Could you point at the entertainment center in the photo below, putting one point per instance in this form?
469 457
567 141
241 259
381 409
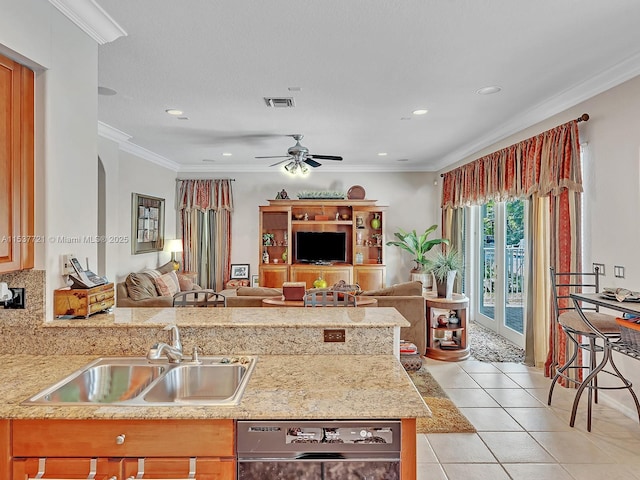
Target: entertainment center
302 240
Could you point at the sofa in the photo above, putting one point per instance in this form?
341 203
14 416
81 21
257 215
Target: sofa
152 287
405 297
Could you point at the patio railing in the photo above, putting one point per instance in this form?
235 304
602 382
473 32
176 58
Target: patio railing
514 280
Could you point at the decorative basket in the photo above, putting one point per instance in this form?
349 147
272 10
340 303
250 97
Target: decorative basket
629 332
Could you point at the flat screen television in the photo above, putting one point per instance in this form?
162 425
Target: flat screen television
321 247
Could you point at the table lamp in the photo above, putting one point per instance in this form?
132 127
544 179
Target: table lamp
174 246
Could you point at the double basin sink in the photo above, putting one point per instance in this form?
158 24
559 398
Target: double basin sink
135 381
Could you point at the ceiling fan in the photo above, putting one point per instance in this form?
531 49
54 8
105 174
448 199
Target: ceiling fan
299 155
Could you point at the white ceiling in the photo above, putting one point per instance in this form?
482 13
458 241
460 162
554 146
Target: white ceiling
362 66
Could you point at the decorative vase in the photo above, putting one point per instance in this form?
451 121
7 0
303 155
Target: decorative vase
445 287
284 256
359 221
424 277
375 221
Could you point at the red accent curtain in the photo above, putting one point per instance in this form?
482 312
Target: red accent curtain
545 165
205 208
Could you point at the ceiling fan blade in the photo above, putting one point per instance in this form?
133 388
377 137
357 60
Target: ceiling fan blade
326 157
281 161
311 162
276 156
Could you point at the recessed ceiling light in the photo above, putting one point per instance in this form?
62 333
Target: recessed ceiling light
405 118
106 91
208 160
295 89
403 159
422 111
183 118
227 154
488 90
382 154
173 111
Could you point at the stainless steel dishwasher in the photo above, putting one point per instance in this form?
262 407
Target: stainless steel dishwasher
318 450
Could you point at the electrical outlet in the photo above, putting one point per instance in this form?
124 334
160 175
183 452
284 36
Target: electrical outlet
67 268
334 335
18 300
600 268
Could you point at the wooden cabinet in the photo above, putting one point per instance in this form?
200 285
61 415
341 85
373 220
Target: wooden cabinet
82 302
448 341
123 449
369 277
273 275
16 166
361 222
331 274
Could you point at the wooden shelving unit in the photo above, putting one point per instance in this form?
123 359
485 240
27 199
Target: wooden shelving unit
437 346
280 221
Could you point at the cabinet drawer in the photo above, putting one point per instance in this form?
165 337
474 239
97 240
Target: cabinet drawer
142 438
99 297
98 307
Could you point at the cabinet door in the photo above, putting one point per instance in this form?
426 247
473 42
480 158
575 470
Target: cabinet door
369 277
331 275
273 276
16 165
67 468
178 468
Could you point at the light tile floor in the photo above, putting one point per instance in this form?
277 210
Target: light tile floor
519 437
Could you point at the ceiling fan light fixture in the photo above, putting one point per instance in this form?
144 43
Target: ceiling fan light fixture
291 167
304 169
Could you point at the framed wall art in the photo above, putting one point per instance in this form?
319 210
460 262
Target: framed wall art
240 271
147 223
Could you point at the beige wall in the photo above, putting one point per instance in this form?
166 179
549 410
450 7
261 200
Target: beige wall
611 143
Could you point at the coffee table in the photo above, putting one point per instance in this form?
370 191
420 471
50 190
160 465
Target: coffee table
280 302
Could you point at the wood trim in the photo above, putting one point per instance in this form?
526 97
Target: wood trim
27 129
408 451
5 449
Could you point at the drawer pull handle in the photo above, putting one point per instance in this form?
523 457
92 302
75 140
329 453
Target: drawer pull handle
120 439
192 471
42 464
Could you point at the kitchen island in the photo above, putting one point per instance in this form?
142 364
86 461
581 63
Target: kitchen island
281 387
300 375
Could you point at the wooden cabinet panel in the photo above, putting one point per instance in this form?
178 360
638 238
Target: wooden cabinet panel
99 438
16 165
67 468
273 276
331 274
169 468
369 277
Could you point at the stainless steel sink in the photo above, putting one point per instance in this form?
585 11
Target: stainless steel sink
137 382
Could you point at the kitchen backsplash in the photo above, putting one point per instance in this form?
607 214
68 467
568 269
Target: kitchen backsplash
33 281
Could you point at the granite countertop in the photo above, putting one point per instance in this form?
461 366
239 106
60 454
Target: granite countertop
281 387
241 317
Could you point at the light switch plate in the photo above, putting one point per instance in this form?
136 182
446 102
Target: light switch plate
618 271
600 268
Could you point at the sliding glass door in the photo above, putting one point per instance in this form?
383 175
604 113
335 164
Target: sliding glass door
500 276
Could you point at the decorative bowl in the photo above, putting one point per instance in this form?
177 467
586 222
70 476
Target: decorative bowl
344 216
299 216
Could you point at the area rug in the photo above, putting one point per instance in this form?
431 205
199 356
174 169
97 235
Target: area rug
446 416
487 346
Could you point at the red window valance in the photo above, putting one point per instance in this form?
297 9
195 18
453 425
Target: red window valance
545 164
204 195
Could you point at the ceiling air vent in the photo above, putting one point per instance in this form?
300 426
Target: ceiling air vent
279 102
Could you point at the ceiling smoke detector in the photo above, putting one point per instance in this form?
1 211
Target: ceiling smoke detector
279 102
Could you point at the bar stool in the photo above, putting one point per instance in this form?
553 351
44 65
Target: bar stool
589 330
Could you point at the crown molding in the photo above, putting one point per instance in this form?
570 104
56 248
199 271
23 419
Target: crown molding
589 88
124 144
91 18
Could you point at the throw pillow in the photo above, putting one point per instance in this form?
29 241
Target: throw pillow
152 273
400 289
258 292
167 267
168 284
186 283
140 286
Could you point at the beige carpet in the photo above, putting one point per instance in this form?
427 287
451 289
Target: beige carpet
446 416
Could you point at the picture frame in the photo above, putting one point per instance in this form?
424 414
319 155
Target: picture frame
239 271
255 282
147 223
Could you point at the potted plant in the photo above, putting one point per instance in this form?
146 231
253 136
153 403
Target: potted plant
418 246
444 267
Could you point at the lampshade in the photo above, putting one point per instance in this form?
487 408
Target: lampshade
174 245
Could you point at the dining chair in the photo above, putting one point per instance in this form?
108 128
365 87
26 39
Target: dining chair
587 330
199 298
327 298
